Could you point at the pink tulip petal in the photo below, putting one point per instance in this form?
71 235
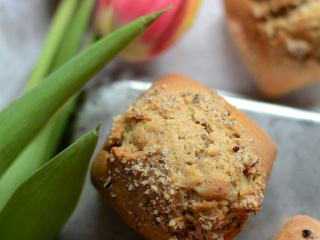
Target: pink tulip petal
166 24
164 32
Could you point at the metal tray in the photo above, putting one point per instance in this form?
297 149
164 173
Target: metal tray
293 187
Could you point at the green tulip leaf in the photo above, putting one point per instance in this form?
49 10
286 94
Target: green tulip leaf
44 146
44 202
25 117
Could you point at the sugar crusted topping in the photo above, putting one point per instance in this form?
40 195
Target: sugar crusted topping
175 154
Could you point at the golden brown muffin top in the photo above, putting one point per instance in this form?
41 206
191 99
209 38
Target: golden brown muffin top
183 164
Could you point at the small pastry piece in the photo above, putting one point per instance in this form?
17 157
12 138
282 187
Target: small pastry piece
300 227
279 41
181 163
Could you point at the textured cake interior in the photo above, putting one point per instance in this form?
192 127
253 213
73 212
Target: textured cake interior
295 22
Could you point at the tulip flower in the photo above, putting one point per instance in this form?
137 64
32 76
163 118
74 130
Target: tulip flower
112 14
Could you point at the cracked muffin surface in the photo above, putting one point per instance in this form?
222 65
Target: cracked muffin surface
279 41
296 23
181 163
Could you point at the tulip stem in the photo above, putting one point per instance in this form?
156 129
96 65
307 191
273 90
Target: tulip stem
56 32
72 39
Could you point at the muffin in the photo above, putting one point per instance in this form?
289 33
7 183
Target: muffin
182 163
300 227
279 41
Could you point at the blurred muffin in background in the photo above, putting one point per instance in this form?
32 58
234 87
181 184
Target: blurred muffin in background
279 41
